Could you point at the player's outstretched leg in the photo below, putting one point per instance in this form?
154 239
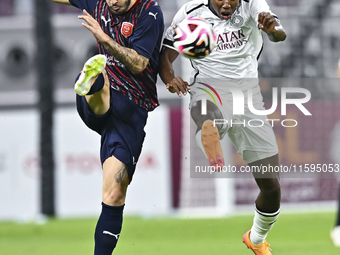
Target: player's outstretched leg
211 144
92 68
108 229
261 249
267 207
207 136
263 222
109 225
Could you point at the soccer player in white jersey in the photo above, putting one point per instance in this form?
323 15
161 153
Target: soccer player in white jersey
238 25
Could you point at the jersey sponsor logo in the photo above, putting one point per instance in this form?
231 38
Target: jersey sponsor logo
154 15
230 40
111 234
106 21
127 29
236 21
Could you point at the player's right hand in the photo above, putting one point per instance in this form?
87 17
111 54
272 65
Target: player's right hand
177 85
92 25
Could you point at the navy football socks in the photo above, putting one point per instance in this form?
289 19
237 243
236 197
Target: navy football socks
97 85
108 229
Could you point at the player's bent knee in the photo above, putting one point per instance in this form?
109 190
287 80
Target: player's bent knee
115 182
115 197
106 80
269 185
99 102
272 190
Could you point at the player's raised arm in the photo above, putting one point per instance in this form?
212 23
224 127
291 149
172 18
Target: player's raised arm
167 74
129 57
62 2
271 26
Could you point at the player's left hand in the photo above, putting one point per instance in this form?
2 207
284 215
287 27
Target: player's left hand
177 85
267 22
92 25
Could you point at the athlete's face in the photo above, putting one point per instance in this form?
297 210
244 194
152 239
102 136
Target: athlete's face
119 7
224 8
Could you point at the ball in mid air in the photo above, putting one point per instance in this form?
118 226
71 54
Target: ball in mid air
194 38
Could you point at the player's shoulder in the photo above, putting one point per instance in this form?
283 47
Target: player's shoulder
246 4
250 2
150 6
194 5
253 6
253 3
147 8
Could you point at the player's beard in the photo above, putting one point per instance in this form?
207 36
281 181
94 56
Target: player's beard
123 8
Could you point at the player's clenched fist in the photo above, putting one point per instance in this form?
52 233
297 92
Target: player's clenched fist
271 25
267 22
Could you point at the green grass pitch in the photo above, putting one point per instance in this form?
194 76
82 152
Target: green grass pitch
293 234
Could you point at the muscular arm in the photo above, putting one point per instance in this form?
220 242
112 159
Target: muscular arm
166 70
129 57
62 2
271 27
167 74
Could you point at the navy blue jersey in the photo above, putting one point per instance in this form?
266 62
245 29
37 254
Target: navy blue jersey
141 29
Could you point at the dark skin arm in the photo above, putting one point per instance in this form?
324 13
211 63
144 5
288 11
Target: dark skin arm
177 85
167 74
269 25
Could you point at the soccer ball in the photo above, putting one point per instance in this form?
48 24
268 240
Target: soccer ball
194 38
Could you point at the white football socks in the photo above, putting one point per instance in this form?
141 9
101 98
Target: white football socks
199 144
263 222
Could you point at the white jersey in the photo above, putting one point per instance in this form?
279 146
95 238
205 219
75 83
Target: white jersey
239 40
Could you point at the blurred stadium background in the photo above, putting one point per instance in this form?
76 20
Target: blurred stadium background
162 185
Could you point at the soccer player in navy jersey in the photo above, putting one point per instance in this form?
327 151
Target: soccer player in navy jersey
115 91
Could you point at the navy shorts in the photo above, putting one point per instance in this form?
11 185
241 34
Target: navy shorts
121 128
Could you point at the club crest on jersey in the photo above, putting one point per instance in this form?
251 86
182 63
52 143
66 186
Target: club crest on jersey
127 29
236 21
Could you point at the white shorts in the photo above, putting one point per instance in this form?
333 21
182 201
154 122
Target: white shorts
252 135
